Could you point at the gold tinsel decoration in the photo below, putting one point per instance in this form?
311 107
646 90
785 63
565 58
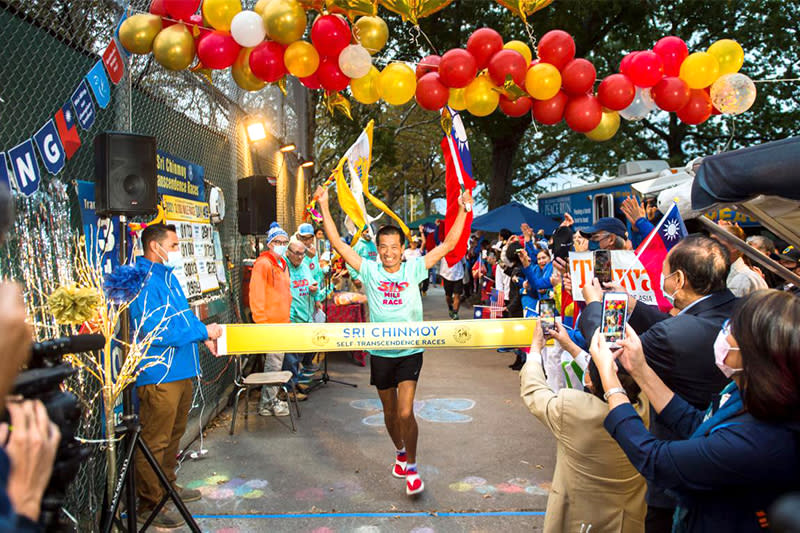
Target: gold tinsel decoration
73 305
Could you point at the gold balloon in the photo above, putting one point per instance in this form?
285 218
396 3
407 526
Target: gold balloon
607 128
522 48
301 59
365 90
285 21
523 8
261 5
397 83
457 100
137 33
481 96
372 33
543 81
413 10
353 8
699 70
242 74
173 47
729 54
316 5
220 13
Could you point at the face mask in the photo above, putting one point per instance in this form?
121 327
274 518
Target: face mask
280 249
594 245
172 260
326 269
670 297
721 349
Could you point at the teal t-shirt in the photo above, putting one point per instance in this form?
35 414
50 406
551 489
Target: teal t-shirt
394 297
300 280
367 250
316 272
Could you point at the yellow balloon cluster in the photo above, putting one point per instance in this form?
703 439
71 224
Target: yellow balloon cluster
220 13
481 96
397 83
524 8
699 70
372 33
729 54
365 90
301 59
242 74
137 33
173 47
607 128
543 81
353 8
457 99
413 10
285 21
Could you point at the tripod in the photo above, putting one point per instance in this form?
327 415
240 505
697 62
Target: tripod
131 429
325 376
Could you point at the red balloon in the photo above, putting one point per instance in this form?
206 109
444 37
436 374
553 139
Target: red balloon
557 48
218 50
330 76
457 68
646 69
330 35
181 9
428 64
266 61
578 77
625 64
550 111
483 44
616 92
697 109
583 113
431 92
312 82
672 51
671 93
508 62
518 107
157 8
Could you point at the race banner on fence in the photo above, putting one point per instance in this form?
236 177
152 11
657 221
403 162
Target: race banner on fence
625 268
337 337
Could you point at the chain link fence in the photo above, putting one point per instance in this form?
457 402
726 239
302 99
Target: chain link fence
48 46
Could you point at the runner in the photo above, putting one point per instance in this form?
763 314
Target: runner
392 288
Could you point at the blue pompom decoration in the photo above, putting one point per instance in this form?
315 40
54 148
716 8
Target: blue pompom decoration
124 283
274 225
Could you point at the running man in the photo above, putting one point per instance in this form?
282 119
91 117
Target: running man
392 288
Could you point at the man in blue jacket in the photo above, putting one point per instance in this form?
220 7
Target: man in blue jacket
165 389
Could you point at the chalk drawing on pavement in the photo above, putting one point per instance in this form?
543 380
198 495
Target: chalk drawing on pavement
480 485
444 410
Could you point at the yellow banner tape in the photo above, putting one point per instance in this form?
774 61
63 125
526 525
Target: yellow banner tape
332 337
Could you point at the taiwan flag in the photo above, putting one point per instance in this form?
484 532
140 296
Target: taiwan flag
653 250
458 177
65 123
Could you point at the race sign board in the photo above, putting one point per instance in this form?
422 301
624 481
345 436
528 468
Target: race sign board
625 268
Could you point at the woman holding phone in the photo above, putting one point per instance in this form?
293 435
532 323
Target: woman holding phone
743 452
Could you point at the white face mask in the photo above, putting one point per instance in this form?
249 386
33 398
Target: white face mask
280 249
721 349
172 260
670 297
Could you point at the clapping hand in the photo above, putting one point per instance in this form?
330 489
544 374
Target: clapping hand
633 209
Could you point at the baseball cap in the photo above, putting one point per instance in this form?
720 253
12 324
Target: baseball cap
790 253
609 224
305 229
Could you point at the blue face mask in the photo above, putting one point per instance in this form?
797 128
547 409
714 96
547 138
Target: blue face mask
593 245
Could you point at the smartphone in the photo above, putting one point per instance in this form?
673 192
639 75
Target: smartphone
615 314
547 314
602 266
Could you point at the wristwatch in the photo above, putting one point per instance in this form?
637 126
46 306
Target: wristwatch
615 390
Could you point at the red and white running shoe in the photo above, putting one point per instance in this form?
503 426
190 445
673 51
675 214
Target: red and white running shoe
414 484
399 469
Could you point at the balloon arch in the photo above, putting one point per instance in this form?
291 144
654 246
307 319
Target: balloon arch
265 45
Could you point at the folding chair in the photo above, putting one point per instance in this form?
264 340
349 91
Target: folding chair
259 379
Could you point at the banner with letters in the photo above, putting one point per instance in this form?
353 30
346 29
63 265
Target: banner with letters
625 268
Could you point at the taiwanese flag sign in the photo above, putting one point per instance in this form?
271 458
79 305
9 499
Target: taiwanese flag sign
653 250
458 177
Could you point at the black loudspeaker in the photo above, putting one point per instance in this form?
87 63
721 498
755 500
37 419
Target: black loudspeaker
258 204
125 174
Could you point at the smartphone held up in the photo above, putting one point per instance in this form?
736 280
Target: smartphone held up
547 314
615 315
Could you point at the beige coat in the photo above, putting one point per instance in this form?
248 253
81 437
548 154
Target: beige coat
594 483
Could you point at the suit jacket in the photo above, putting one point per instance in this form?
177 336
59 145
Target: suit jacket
680 349
594 482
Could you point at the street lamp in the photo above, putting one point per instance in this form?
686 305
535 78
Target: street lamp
256 129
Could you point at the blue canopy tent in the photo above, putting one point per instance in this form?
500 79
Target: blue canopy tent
512 216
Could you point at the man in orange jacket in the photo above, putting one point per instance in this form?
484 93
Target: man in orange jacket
270 301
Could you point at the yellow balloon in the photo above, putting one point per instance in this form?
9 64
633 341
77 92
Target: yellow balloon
543 81
397 83
137 33
372 33
365 90
301 59
413 10
607 128
522 48
699 70
457 99
261 5
353 8
481 97
729 55
285 21
242 74
220 13
173 47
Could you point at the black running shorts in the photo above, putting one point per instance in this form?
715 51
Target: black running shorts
453 287
387 372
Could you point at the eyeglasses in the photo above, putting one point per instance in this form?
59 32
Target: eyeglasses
295 252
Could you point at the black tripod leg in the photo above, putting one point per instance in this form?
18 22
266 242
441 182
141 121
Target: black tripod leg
162 478
116 498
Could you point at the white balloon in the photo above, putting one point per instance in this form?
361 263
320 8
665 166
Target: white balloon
355 61
640 107
733 94
247 29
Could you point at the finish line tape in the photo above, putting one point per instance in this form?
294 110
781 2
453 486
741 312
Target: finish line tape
333 337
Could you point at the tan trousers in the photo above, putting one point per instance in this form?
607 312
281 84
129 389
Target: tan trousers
163 411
